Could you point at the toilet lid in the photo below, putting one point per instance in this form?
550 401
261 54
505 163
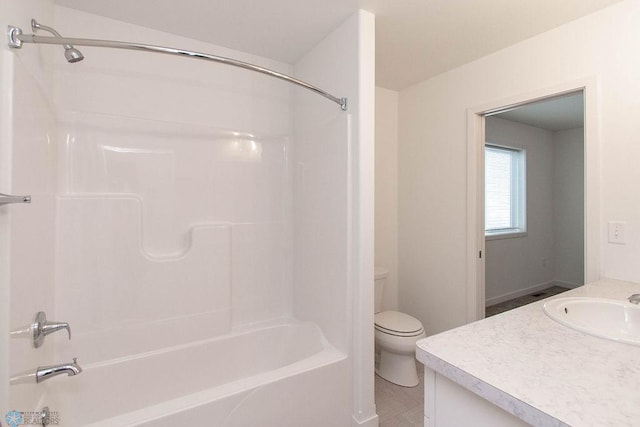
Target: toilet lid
396 323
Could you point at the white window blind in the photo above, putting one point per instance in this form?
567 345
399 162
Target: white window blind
504 190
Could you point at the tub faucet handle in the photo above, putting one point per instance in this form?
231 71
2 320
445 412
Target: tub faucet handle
41 328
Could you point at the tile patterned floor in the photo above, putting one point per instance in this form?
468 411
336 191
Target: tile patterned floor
400 406
527 299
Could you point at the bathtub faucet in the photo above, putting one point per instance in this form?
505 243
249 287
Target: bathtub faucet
46 372
634 299
41 328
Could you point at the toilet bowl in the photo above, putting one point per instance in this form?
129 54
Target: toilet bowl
396 335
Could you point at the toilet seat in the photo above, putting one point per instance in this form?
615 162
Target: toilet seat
398 324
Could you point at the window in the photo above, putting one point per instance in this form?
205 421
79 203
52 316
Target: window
505 192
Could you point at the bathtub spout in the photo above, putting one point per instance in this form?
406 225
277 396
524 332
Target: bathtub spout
46 372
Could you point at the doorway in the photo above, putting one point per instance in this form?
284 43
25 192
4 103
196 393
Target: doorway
543 268
533 201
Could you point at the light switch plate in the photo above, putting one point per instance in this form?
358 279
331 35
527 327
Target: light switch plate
617 232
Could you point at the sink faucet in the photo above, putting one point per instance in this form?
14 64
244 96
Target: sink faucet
46 372
634 299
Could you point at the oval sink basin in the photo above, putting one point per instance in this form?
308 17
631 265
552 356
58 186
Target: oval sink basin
606 318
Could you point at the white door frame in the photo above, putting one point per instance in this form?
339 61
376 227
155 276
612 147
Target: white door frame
475 185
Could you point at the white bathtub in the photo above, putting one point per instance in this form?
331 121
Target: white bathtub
278 375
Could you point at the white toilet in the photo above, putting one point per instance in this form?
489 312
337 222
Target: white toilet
395 336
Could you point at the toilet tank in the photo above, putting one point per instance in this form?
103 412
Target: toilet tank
380 277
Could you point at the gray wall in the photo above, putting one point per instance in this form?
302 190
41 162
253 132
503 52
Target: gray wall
517 263
568 206
552 251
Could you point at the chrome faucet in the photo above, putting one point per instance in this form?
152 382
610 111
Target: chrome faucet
46 372
634 299
41 328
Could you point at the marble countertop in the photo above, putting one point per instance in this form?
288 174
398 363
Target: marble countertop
540 371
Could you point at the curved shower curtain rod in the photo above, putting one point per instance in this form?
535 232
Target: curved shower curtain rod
17 37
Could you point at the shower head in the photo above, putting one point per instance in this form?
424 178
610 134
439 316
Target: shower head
70 53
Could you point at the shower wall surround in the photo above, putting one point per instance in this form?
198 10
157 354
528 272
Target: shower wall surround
334 204
27 232
174 198
177 201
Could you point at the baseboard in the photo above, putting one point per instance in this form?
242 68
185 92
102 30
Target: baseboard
520 293
369 422
564 284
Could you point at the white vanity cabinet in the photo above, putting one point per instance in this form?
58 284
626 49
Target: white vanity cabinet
447 404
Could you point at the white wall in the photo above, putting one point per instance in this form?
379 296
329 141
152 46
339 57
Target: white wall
5 181
568 206
334 211
386 223
432 153
518 263
28 151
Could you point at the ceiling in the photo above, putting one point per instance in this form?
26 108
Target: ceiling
415 39
554 114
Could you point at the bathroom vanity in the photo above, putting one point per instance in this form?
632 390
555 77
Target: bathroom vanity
523 368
